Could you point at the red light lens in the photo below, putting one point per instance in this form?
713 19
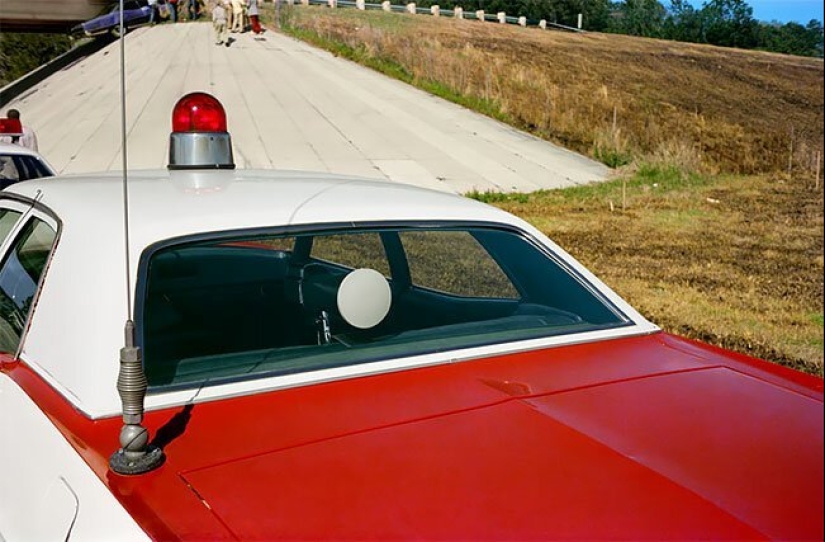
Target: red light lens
11 126
198 112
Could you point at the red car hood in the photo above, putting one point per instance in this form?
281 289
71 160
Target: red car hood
647 438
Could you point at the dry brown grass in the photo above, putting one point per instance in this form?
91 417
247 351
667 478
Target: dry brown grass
736 262
719 109
731 260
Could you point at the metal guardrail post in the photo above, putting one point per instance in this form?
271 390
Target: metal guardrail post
436 11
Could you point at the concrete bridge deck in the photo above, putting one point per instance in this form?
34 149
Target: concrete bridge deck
289 106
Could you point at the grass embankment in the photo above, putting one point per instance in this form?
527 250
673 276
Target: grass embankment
732 261
700 249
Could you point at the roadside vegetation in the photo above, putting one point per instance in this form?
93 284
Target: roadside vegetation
21 53
713 227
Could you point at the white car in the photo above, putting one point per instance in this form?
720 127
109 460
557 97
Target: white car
18 163
202 353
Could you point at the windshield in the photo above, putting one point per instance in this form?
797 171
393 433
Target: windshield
261 305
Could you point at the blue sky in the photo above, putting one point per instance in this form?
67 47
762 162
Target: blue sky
799 11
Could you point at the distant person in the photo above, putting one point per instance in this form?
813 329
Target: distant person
252 11
153 11
237 16
28 138
194 10
228 6
173 10
219 22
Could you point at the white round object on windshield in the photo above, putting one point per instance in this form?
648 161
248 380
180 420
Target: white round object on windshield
364 298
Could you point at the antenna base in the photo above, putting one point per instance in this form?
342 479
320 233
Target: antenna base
122 463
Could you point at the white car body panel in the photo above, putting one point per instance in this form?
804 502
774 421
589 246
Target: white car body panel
91 210
57 496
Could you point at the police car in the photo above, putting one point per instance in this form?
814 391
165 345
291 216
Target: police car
18 163
207 353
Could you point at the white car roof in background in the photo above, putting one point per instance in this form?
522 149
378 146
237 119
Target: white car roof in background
13 148
77 349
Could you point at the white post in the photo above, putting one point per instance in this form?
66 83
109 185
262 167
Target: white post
360 4
480 15
458 12
411 8
501 16
385 5
522 20
332 3
543 24
580 20
435 10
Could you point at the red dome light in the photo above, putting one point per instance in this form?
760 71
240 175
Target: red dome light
10 126
198 112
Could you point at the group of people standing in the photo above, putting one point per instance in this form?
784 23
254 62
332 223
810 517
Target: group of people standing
231 16
169 9
227 15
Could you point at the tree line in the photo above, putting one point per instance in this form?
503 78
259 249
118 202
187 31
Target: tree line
727 23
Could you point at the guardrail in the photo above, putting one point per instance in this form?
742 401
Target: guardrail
436 11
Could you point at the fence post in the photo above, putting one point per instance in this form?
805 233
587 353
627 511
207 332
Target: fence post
790 153
502 17
522 20
385 5
580 21
458 12
411 8
435 10
543 24
360 4
480 15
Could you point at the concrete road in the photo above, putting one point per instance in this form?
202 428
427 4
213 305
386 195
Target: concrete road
290 106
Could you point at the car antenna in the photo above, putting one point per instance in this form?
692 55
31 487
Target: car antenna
135 455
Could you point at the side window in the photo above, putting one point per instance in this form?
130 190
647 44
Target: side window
8 219
354 251
31 168
455 263
8 171
19 276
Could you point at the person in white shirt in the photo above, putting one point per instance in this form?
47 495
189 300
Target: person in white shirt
28 138
219 22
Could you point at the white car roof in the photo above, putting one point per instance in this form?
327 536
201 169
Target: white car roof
77 351
14 148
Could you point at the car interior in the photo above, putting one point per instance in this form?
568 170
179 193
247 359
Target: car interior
230 309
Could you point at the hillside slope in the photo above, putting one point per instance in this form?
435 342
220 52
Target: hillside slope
610 96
